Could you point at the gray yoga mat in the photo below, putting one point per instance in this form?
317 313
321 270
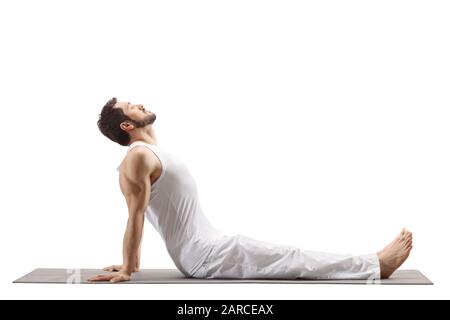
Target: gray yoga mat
400 277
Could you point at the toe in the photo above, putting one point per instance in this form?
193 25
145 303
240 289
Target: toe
405 244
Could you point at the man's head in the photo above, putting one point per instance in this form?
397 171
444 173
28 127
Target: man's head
119 121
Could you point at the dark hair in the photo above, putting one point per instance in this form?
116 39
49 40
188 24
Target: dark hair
109 123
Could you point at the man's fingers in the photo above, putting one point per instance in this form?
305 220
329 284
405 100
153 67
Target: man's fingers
119 278
112 268
101 277
112 277
95 278
115 279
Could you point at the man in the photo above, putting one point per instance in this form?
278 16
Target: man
158 186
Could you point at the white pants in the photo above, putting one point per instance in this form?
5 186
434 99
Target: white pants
238 256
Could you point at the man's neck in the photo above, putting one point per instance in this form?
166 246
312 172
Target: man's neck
146 140
148 137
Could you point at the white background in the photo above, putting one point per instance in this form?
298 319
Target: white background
322 124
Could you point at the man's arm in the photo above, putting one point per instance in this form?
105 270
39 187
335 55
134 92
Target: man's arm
135 185
138 257
137 193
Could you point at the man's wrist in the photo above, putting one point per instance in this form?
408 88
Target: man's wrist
127 270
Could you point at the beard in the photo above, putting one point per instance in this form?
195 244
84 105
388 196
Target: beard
148 120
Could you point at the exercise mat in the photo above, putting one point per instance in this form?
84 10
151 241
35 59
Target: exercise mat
45 275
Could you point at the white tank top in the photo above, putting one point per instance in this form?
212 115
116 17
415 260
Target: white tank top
175 212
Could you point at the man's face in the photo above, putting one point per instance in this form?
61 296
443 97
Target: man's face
141 117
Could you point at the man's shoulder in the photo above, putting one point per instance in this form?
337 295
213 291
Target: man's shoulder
138 153
139 158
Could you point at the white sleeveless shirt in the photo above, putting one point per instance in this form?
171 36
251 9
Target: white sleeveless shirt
175 212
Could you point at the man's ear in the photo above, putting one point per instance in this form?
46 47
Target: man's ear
126 126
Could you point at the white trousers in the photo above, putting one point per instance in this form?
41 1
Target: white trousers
238 256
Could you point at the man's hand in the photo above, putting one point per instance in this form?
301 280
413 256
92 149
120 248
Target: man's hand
118 267
112 277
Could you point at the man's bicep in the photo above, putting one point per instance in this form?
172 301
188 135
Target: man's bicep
136 193
138 200
135 182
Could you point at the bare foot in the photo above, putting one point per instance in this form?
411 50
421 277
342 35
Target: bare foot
395 253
